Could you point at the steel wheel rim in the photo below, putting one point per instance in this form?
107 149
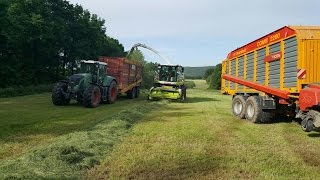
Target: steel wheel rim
237 107
250 110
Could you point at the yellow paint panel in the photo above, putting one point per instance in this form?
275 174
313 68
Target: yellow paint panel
308 58
307 32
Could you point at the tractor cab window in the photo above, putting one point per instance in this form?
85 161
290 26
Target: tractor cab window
102 69
168 73
88 68
102 72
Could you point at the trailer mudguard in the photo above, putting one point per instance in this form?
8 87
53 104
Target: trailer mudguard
309 97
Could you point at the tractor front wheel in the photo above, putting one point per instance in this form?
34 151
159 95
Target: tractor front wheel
112 92
60 94
92 96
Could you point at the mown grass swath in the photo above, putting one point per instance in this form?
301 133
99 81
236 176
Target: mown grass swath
39 140
139 139
201 139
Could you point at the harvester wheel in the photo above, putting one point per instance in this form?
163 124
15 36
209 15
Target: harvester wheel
254 111
60 94
238 106
183 95
112 92
131 93
92 96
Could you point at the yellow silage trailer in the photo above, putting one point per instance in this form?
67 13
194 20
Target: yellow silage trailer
277 73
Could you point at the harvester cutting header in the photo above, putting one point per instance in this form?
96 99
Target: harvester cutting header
168 81
277 73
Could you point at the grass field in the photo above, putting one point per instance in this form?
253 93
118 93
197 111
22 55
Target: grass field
138 139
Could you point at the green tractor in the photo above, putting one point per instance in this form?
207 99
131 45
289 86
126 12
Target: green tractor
169 83
90 86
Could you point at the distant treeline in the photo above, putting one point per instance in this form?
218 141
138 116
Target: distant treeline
196 72
41 39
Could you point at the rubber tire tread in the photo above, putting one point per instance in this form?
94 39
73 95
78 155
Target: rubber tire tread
57 97
241 99
131 93
110 100
137 92
87 96
184 94
260 115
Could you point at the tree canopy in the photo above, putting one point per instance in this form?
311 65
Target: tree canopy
214 80
41 39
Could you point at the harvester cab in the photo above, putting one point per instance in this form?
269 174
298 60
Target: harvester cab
169 83
89 86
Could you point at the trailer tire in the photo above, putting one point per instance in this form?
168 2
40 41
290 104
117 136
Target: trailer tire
59 94
238 106
131 94
137 92
254 111
91 96
112 92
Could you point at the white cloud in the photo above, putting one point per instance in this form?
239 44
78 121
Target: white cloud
186 26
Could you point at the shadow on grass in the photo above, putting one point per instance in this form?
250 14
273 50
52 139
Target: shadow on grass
314 134
200 99
121 98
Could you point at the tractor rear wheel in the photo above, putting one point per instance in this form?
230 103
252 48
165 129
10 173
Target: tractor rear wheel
254 111
238 106
60 94
92 96
112 92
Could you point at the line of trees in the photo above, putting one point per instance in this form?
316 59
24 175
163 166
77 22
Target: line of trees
41 39
213 77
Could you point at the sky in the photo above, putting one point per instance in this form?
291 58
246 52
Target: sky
197 32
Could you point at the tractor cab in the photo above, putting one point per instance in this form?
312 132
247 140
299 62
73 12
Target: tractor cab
169 73
95 69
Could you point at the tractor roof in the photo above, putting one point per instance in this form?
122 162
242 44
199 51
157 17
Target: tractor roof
93 62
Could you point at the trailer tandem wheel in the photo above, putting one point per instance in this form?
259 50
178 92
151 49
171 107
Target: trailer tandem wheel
254 111
238 106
